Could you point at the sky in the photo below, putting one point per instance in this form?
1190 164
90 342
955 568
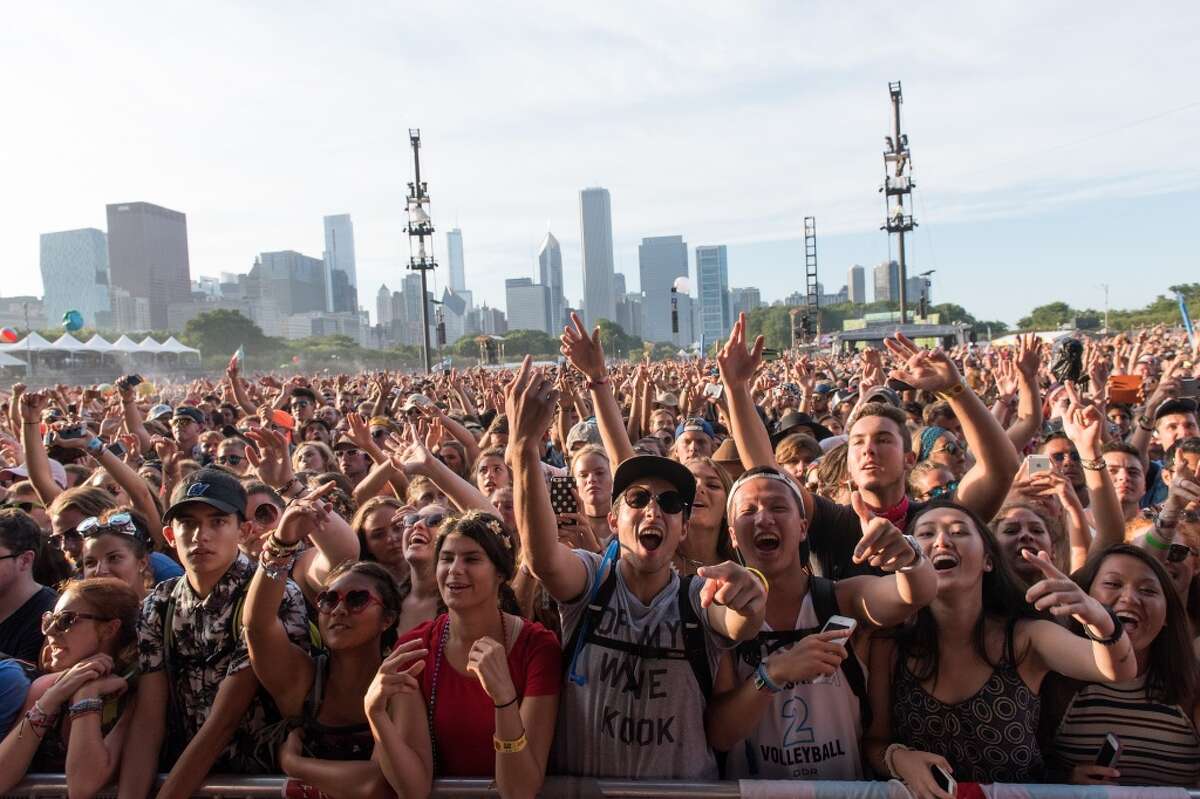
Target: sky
1056 146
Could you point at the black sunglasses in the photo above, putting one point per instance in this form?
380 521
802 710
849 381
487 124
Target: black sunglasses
670 502
1177 553
1059 457
25 505
356 601
431 521
60 539
64 620
266 513
230 460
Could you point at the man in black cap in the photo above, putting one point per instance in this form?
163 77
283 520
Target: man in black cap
643 644
799 422
1174 419
197 692
187 423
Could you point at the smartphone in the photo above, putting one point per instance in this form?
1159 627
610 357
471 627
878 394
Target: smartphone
1125 389
130 380
1037 464
943 779
74 431
1189 388
837 623
898 385
714 390
562 495
769 354
1110 752
117 448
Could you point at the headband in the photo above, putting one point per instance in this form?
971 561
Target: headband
929 437
764 473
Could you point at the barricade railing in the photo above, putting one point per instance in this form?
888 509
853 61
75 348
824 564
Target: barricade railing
220 786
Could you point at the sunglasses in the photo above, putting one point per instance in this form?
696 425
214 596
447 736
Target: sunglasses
431 521
121 523
60 539
953 448
266 513
942 491
1059 457
670 502
356 601
379 432
1177 553
230 460
64 620
25 505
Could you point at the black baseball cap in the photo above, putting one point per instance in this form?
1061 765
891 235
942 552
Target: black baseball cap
797 422
189 412
640 466
213 487
1173 406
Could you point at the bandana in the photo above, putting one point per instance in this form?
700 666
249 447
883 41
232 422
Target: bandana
897 514
929 437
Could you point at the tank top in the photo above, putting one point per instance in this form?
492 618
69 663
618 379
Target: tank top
1159 743
988 737
331 742
810 731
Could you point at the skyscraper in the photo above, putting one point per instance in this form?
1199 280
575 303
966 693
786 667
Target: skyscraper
856 285
454 257
341 291
295 281
743 301
75 276
887 282
661 259
595 225
550 275
148 256
712 289
383 307
526 304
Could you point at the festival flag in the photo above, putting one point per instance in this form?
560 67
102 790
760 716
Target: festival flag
1187 319
236 361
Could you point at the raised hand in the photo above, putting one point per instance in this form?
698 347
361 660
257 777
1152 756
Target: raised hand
882 545
1083 424
397 674
302 516
1183 491
1061 596
928 370
488 661
529 400
271 460
584 352
736 363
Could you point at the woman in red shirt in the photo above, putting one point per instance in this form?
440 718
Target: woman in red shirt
489 679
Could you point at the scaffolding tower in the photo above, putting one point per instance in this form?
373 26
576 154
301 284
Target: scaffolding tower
897 186
420 239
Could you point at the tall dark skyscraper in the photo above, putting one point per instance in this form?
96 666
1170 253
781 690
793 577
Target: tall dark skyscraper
550 275
341 273
148 256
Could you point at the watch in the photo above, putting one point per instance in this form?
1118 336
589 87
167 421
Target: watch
95 445
920 553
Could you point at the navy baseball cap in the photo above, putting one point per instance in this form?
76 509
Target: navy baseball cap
189 412
694 424
213 487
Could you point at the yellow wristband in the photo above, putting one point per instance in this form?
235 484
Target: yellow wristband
762 577
509 747
952 392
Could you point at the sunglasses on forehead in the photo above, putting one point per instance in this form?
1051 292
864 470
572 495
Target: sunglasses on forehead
356 601
25 505
119 523
670 502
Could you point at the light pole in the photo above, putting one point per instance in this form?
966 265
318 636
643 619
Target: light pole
419 229
898 184
1104 288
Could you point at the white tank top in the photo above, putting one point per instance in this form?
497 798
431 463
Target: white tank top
810 731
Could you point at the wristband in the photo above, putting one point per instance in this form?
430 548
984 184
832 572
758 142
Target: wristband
1118 630
762 679
920 553
85 706
595 384
1157 543
890 753
952 392
506 704
509 747
1096 465
1145 423
762 577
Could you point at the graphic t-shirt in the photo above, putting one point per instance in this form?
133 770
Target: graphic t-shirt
635 716
464 717
809 732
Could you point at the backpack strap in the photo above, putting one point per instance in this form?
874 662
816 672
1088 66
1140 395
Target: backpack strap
693 639
824 595
591 619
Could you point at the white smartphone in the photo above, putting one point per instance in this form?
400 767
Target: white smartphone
837 623
944 780
1037 464
1110 752
714 390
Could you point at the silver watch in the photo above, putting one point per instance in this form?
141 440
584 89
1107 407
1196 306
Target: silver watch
920 553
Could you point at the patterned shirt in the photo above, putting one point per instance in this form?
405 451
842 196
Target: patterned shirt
204 652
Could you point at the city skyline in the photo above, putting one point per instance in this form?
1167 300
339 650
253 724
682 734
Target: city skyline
1017 166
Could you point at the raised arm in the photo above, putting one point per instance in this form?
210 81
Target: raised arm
986 484
34 450
133 415
1029 402
334 543
1084 425
738 366
413 458
1143 431
529 403
587 355
239 389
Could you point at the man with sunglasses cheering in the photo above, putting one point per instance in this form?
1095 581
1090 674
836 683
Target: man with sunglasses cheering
197 693
22 599
644 644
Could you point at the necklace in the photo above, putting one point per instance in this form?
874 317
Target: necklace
437 668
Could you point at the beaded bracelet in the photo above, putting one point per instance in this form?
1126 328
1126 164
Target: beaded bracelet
275 565
889 754
83 707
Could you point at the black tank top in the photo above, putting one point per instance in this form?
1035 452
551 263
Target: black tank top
341 742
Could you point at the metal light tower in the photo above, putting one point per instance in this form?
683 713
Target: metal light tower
810 316
897 185
420 229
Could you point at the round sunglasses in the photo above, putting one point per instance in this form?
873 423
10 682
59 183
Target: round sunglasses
669 502
431 521
356 601
120 523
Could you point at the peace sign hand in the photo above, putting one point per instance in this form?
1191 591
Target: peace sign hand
929 370
1061 596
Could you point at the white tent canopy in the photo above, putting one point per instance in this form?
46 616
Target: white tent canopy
125 344
8 360
68 343
31 343
175 345
149 345
97 344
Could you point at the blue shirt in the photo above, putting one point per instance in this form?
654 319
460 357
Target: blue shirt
14 685
163 567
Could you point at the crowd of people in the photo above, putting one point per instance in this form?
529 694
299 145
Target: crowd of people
972 565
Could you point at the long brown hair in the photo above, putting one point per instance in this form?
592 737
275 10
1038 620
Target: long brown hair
113 599
500 546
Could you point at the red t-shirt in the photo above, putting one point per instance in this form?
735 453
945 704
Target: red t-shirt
464 716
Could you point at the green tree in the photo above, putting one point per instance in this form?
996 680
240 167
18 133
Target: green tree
1047 317
519 343
617 343
221 332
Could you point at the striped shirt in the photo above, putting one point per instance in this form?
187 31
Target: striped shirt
1159 743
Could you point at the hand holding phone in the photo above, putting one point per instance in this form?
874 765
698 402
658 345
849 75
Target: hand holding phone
1037 464
562 495
837 624
1110 752
943 779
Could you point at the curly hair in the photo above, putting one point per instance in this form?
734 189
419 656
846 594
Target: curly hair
500 546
